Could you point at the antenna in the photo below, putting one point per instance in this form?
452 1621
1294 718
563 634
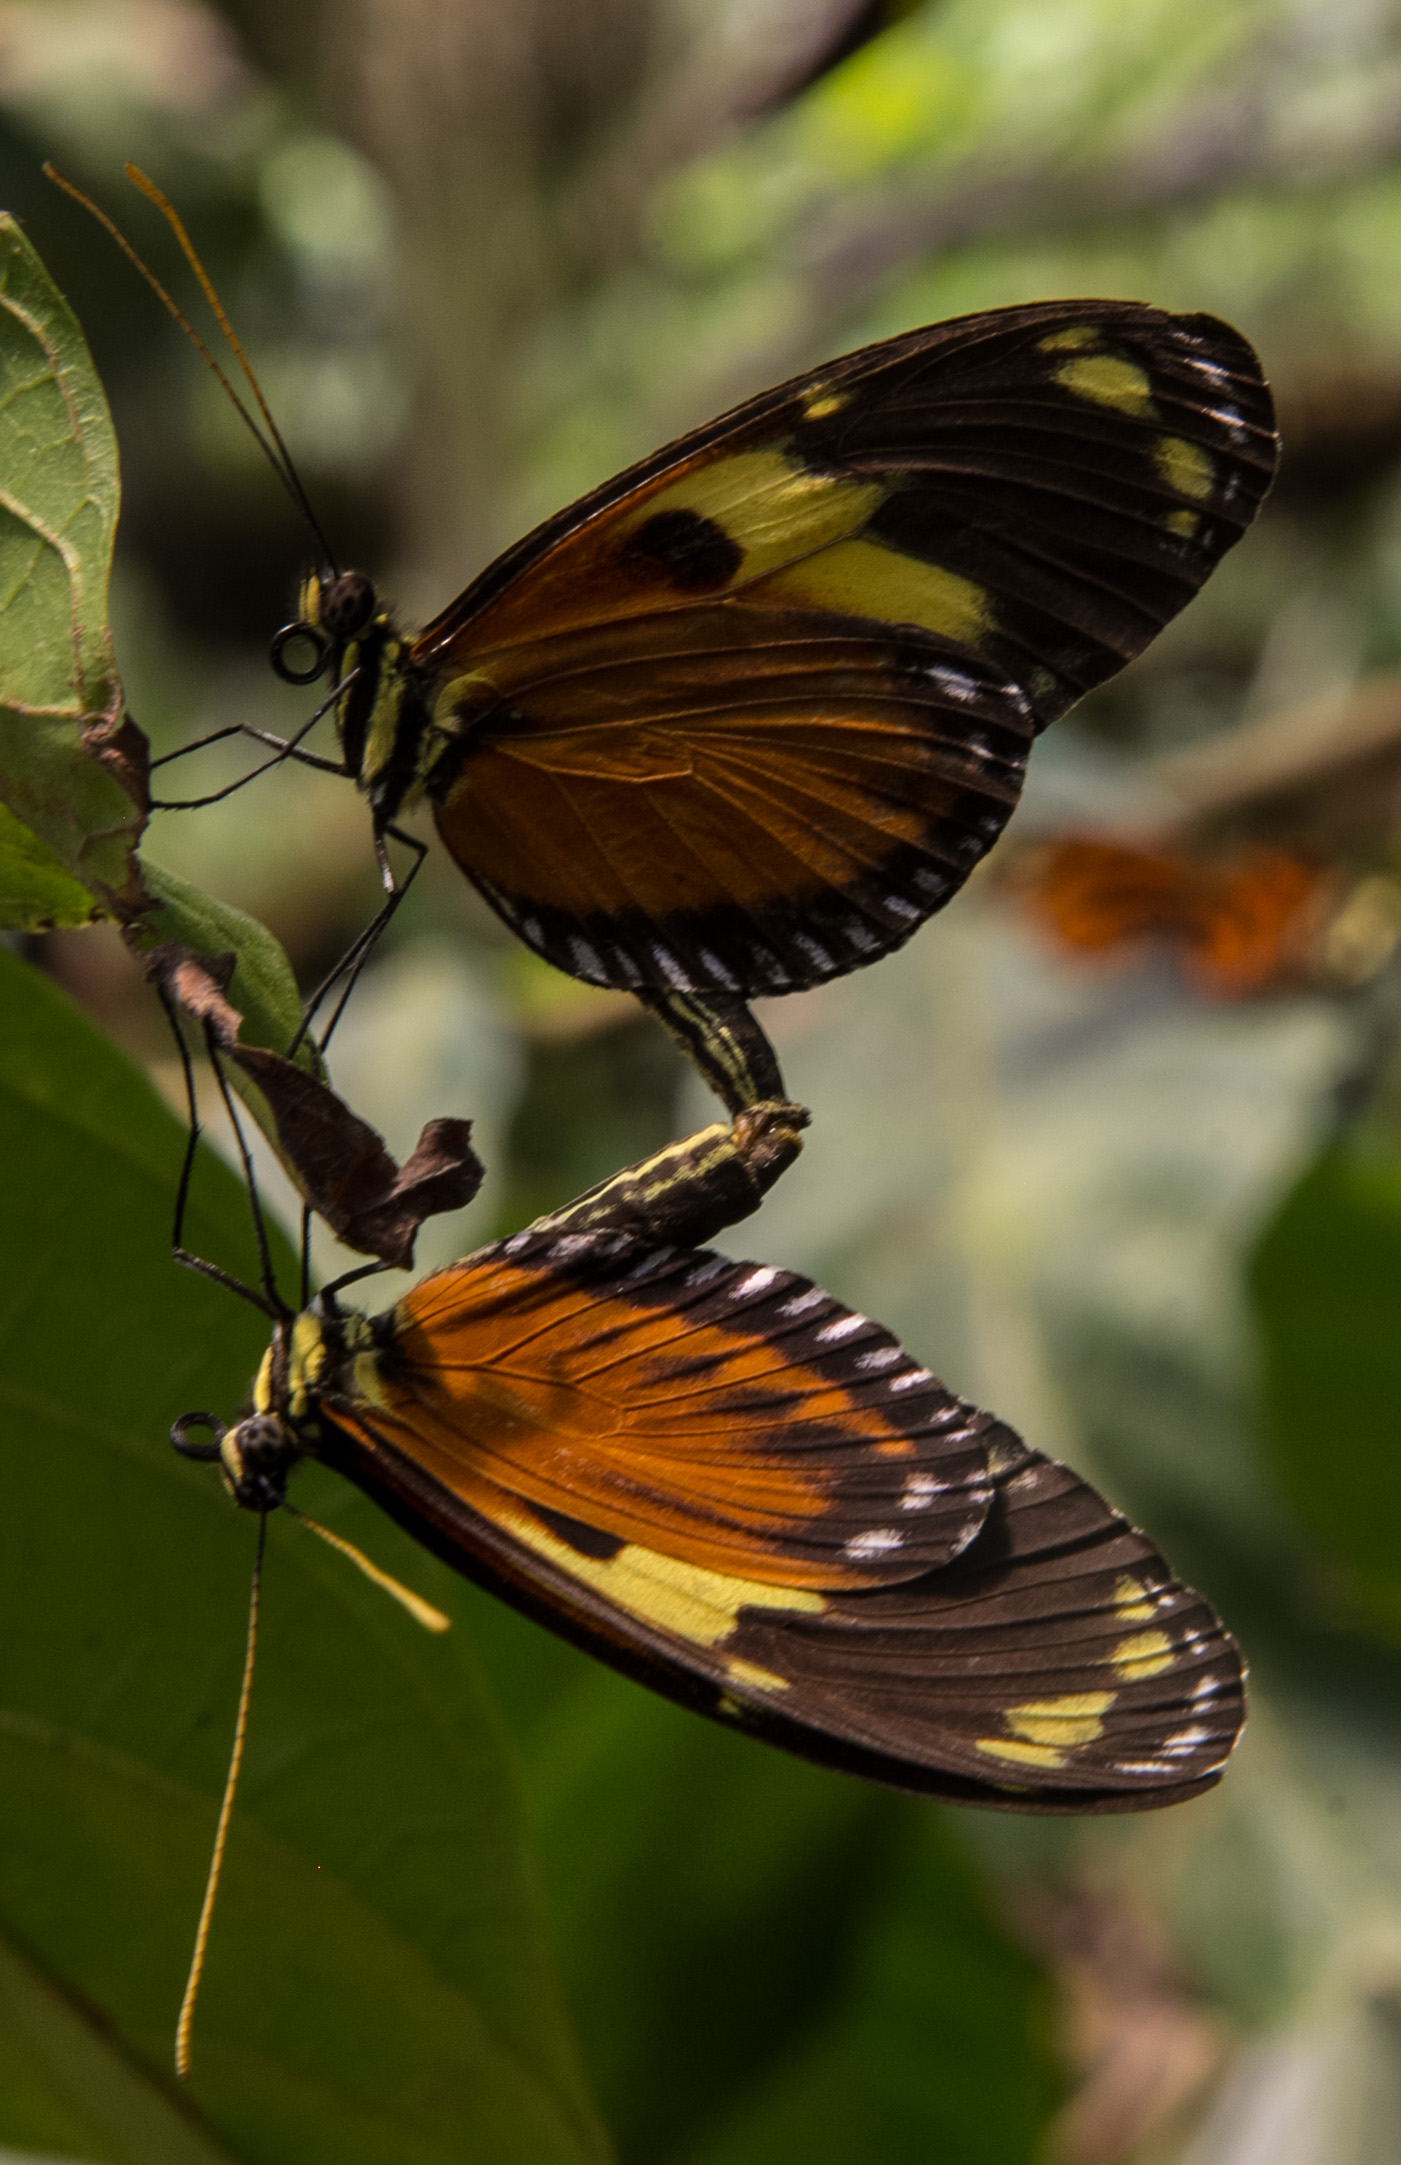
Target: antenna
274 451
422 1613
185 2022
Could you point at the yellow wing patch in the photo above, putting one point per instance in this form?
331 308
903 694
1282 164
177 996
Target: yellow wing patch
1148 1653
684 1599
769 505
1022 1755
1132 1600
1073 339
749 1672
1185 466
1108 380
1044 1732
823 400
863 578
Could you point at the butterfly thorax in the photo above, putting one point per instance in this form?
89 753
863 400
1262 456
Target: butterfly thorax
396 719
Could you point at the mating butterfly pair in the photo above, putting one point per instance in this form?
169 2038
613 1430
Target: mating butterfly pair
735 724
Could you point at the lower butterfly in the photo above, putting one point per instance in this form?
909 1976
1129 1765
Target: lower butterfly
716 1478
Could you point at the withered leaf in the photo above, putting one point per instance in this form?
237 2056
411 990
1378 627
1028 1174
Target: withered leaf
339 1162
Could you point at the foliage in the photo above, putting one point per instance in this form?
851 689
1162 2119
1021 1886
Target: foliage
489 272
60 703
379 1987
1326 1277
408 2009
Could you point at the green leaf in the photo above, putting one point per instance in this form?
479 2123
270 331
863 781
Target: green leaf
66 2086
767 1960
262 988
70 769
36 894
933 2049
379 1989
1326 1283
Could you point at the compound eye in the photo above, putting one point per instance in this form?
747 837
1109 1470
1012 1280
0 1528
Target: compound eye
261 1440
346 604
299 653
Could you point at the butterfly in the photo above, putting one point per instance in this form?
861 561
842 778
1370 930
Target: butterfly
722 1482
741 719
1246 922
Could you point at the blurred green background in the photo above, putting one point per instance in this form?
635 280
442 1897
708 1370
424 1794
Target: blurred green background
482 254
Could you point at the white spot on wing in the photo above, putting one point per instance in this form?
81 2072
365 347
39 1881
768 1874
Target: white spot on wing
880 1541
1183 1742
920 1490
881 1358
802 1302
911 1379
952 681
718 971
669 966
1231 421
758 1281
842 1328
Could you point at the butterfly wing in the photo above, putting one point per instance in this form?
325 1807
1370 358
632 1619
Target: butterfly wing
744 717
729 1413
1241 924
788 1525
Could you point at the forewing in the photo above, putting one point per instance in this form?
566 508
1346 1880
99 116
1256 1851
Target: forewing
728 1415
743 718
1053 1664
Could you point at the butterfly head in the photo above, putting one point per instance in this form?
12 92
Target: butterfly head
332 610
257 1453
253 1457
342 632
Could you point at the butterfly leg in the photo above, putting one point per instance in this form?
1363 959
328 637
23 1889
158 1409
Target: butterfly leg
353 961
283 748
269 1301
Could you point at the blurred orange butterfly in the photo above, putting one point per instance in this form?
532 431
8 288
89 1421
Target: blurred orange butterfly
1238 924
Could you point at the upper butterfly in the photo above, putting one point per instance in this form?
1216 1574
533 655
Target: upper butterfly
744 717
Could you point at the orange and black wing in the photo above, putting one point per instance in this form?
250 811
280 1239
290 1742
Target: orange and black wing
718 1479
743 718
1240 924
